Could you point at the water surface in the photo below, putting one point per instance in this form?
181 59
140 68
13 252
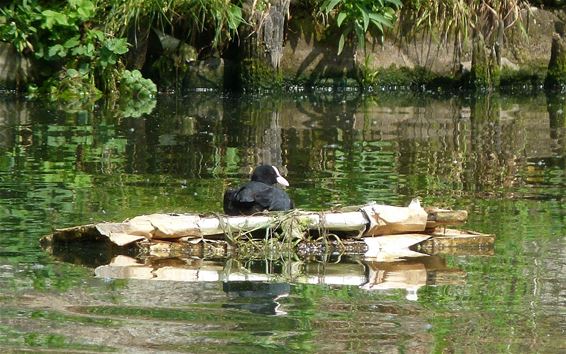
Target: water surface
500 158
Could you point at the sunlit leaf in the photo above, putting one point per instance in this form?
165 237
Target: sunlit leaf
72 73
96 34
85 8
341 43
57 50
236 17
365 16
398 4
360 34
72 42
53 18
330 5
117 45
340 18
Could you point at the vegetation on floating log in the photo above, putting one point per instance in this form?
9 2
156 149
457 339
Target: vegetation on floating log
383 248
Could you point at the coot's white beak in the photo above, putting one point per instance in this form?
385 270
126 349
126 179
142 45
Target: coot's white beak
282 181
280 178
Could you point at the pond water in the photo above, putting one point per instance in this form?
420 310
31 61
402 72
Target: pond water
502 158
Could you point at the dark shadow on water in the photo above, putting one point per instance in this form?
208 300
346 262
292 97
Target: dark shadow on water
260 297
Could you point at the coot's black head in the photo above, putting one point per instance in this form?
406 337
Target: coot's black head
269 175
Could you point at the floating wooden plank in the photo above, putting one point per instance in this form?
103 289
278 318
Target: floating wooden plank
451 241
389 220
444 217
122 239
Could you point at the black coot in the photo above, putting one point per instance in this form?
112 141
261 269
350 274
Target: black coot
259 194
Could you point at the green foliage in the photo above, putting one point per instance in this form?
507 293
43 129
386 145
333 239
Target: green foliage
81 43
59 29
80 59
133 85
360 16
111 49
219 17
404 79
137 95
366 75
18 25
71 84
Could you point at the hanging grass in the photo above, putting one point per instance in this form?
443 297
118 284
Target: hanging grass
219 17
456 20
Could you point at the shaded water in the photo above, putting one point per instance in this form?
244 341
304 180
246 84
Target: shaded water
500 158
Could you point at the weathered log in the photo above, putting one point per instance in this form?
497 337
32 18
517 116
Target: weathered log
369 220
445 217
398 228
384 248
451 241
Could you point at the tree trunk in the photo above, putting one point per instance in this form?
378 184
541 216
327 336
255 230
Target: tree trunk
262 45
556 74
485 64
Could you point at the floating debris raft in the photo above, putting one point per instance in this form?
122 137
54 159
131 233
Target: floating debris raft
373 229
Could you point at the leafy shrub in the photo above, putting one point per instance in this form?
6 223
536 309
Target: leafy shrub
133 85
78 58
359 16
137 94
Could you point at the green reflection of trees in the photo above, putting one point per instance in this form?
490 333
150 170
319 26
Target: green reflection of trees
480 145
505 294
353 319
13 337
499 157
52 341
512 307
281 328
556 106
338 149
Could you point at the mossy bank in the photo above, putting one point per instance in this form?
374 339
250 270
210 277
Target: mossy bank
292 52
